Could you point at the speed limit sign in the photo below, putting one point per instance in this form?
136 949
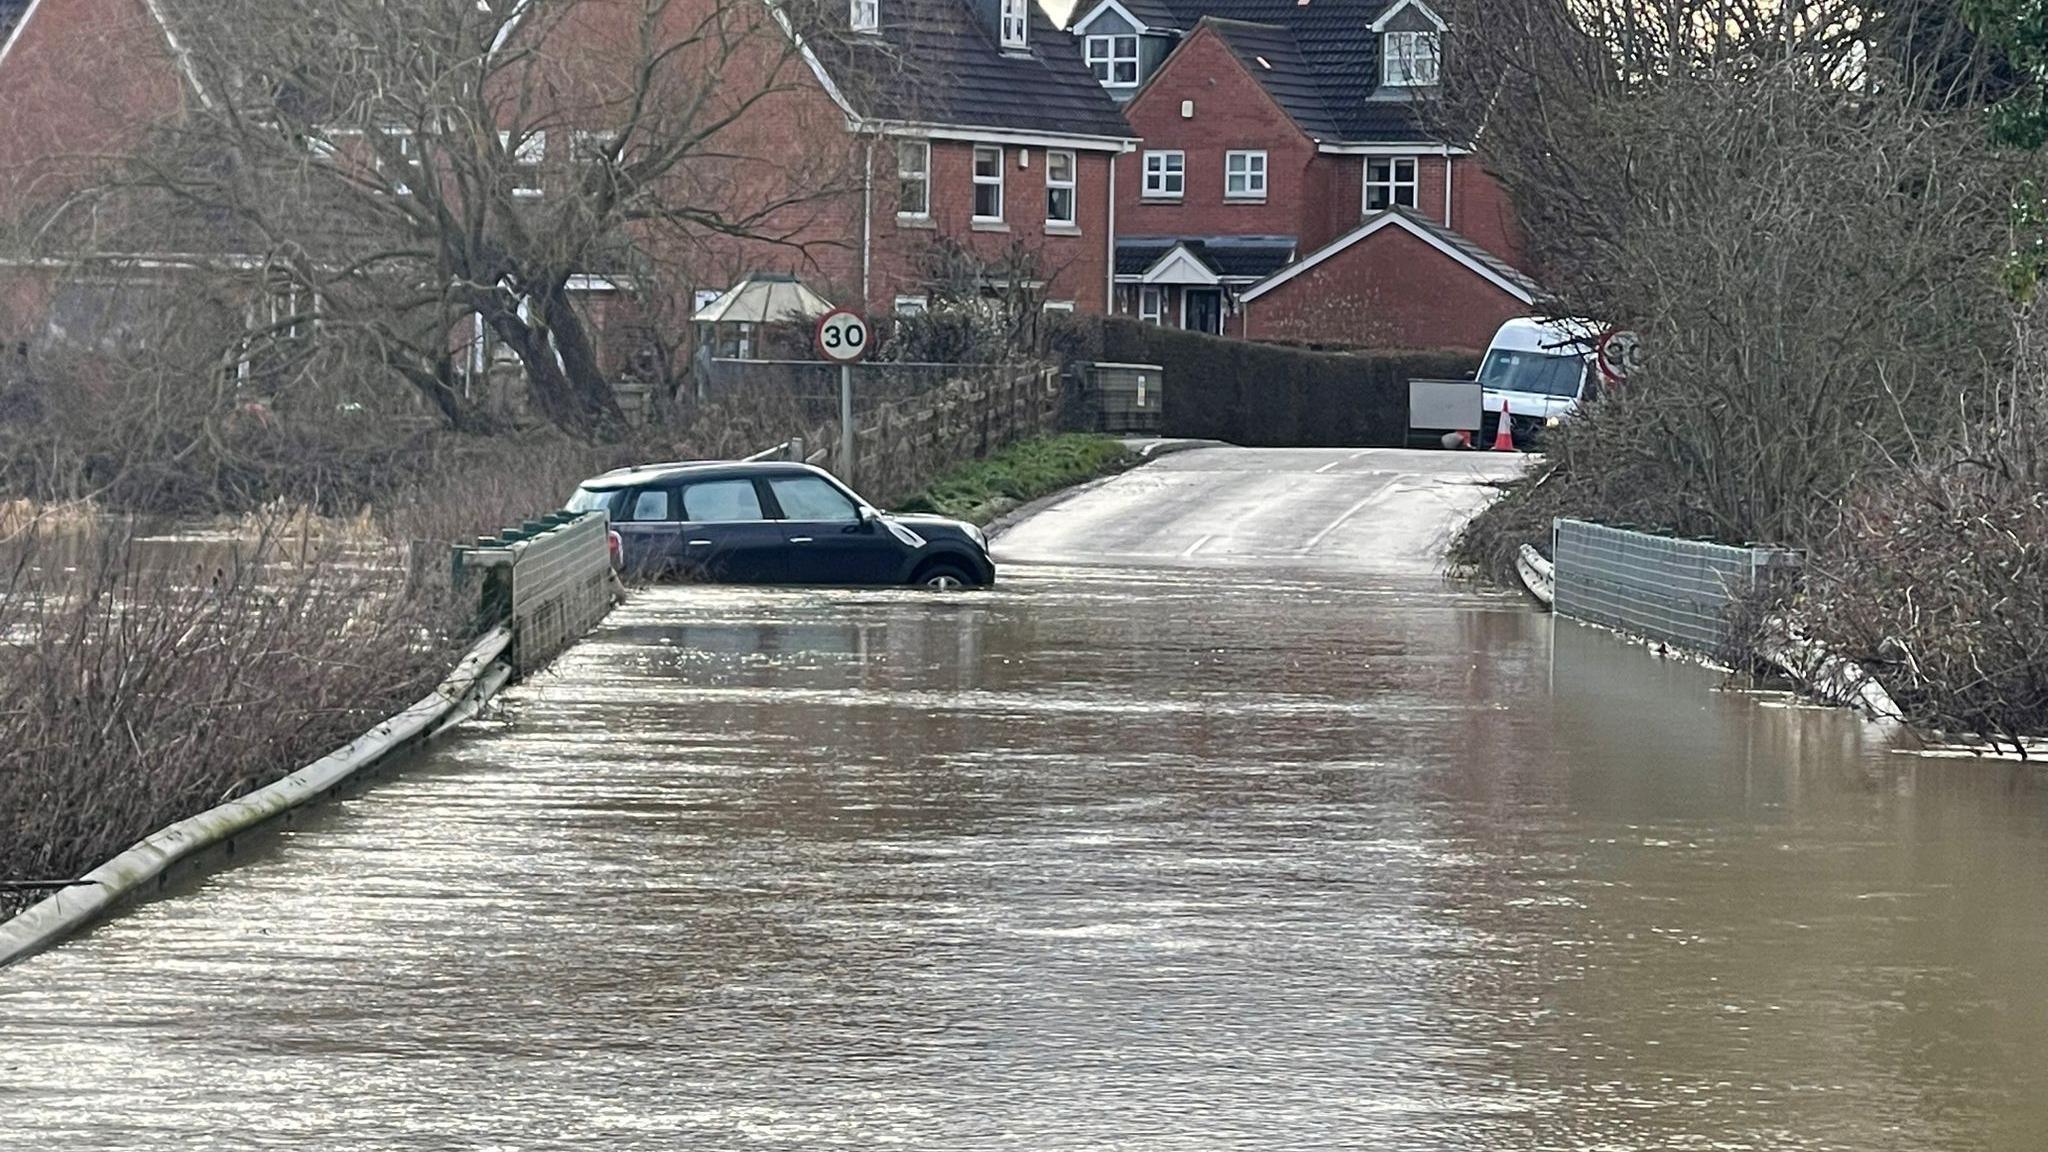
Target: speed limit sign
1619 353
842 336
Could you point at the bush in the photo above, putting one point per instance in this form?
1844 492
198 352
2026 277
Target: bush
142 688
1272 395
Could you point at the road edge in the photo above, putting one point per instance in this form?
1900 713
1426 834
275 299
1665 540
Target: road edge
1146 452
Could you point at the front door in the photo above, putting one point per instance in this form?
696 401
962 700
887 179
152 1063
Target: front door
726 535
1202 310
829 542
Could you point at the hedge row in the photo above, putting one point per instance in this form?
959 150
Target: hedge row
1273 396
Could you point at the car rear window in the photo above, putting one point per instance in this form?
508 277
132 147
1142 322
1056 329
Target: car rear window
592 500
721 501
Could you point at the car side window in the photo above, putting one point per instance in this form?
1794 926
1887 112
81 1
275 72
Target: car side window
812 498
650 504
722 502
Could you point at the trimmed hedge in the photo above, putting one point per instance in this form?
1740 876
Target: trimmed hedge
1273 396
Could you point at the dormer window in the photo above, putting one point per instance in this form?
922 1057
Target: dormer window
867 15
1408 59
1015 23
1114 59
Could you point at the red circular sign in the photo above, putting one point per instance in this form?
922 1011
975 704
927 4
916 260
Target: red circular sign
842 336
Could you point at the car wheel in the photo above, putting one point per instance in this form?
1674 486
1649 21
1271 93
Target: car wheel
944 578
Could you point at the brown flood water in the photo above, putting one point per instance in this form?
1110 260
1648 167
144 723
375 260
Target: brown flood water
1103 859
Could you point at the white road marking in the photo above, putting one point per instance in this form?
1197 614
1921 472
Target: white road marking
1196 547
1334 463
1354 510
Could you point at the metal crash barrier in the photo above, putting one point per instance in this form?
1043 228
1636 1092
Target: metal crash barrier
1683 592
550 579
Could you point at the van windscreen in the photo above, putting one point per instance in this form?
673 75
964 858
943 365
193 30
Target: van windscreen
1507 370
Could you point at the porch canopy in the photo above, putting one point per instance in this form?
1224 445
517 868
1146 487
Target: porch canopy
765 300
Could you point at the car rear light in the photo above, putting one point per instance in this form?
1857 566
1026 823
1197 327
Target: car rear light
617 548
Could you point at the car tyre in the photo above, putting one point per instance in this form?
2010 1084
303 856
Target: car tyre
943 578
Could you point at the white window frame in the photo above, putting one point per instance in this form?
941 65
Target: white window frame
1249 163
1059 306
1103 58
1393 184
1151 303
1016 23
1158 176
527 160
1053 187
922 176
913 305
594 145
865 15
995 181
408 149
1410 59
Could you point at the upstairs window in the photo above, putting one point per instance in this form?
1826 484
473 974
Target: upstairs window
988 182
1059 188
1016 22
1389 182
1166 174
867 15
1244 175
1114 59
1408 59
913 179
527 159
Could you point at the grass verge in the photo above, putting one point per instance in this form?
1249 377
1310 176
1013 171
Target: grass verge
985 489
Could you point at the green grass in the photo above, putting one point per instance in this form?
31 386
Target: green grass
984 489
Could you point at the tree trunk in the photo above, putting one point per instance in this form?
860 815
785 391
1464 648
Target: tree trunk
563 376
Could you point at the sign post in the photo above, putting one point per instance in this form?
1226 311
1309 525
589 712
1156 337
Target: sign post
842 337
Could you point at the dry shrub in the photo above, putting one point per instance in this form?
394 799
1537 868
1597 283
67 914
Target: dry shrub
142 685
1939 586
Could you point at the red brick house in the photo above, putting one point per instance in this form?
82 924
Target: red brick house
971 121
1288 187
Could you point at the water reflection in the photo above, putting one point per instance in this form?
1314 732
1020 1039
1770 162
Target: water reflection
1105 859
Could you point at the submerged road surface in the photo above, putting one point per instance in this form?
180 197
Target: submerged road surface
1222 824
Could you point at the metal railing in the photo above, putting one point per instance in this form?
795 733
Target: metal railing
550 579
1683 592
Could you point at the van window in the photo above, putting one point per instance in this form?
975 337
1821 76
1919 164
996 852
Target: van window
1544 373
721 502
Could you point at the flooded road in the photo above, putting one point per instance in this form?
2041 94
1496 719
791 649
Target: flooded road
1135 852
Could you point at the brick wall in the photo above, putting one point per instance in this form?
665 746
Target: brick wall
1231 111
1075 262
86 77
1389 290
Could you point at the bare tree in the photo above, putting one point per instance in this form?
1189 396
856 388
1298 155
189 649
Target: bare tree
400 179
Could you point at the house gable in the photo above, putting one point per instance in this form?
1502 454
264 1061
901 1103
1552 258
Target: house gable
1467 255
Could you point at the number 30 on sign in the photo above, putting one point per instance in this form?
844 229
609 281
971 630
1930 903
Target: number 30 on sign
842 336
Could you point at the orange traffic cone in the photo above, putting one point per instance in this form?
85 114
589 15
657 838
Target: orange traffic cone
1504 439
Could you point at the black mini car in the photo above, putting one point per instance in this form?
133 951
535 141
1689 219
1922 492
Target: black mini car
774 523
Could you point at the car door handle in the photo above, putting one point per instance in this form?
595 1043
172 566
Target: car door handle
799 539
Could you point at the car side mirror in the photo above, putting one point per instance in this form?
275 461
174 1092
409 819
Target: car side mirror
868 517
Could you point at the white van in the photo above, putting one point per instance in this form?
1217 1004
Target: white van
1541 370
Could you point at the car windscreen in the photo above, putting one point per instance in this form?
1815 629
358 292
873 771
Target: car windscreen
1544 373
592 499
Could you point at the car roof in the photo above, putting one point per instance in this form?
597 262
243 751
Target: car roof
636 475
